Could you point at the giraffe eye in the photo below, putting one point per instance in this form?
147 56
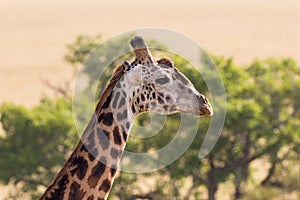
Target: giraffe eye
162 80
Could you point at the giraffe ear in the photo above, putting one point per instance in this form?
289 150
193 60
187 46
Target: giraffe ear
134 75
166 63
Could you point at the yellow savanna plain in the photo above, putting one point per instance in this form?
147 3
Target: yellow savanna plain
33 33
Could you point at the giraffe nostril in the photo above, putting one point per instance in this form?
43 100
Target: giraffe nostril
202 99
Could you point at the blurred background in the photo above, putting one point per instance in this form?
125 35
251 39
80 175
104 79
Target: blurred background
255 45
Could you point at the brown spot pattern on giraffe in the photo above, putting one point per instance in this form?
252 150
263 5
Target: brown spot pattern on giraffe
115 99
97 172
81 166
114 153
90 197
103 137
122 116
58 193
76 193
106 118
122 102
117 136
113 170
105 186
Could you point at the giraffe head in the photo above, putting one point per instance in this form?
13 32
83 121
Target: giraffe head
162 89
157 86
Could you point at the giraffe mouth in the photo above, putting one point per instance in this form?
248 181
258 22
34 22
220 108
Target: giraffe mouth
205 107
206 110
197 106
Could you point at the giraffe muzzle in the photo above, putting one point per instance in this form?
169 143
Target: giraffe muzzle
205 108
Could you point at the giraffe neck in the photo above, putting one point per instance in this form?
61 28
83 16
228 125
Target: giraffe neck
90 171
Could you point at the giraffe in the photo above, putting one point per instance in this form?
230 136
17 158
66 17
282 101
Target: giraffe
142 85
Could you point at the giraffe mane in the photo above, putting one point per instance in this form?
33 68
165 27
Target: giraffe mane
117 75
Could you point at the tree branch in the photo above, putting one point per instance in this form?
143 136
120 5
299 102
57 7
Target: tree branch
269 176
143 196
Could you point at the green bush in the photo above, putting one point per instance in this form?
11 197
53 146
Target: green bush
36 142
